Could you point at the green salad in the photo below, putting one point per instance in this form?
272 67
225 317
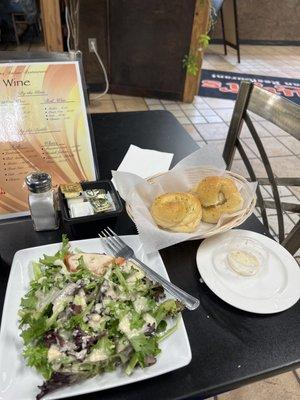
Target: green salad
85 314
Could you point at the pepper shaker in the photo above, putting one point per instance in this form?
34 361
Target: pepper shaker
42 201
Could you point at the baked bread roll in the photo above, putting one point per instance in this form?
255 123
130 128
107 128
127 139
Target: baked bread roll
218 195
178 212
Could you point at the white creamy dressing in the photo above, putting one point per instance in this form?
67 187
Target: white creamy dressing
53 353
140 304
97 355
111 293
126 267
98 307
80 299
60 304
124 326
149 319
122 345
135 276
95 321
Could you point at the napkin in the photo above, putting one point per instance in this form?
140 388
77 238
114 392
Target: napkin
144 162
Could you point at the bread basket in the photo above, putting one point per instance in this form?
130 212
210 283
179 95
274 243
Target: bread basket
230 223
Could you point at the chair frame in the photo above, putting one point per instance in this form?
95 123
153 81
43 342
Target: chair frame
235 46
286 115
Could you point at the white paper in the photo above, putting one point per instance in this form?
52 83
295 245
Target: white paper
144 162
140 193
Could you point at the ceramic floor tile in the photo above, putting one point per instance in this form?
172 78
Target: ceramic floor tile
192 131
260 129
284 191
105 106
183 120
250 154
213 131
262 132
172 107
245 133
291 166
218 143
187 106
290 199
156 107
288 225
273 129
198 120
272 146
265 194
201 107
295 218
219 103
270 212
199 100
177 113
257 212
259 168
192 113
239 167
134 104
152 101
256 117
295 190
280 387
213 118
225 113
167 102
208 112
291 143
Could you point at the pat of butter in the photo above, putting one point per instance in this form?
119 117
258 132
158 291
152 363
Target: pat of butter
81 209
243 263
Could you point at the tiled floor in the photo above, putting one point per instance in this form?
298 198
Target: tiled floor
206 120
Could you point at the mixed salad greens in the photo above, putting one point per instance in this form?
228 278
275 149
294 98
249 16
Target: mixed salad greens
76 324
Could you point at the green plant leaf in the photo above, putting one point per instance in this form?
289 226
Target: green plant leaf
204 41
36 356
190 62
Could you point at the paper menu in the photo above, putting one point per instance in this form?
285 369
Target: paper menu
43 126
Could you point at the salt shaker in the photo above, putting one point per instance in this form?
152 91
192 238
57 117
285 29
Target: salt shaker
42 202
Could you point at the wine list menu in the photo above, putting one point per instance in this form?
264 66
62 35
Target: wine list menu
43 126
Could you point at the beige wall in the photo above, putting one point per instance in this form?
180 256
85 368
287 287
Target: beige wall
267 20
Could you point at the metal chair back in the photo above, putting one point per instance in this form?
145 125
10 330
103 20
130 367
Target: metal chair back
286 115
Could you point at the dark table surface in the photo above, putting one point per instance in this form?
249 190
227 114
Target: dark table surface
229 347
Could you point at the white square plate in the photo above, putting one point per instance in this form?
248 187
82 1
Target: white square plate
19 382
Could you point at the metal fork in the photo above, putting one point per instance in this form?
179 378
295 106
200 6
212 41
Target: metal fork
120 249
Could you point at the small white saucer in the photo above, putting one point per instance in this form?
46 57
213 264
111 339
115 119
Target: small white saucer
275 288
